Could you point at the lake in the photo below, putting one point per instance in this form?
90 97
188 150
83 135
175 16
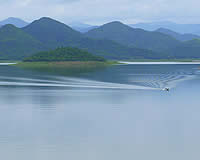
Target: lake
117 113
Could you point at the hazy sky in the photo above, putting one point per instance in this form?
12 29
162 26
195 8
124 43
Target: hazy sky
102 11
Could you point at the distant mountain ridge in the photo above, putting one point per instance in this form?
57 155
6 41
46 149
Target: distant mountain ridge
14 21
180 28
178 36
82 27
112 41
84 30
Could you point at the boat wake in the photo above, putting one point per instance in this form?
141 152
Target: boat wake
141 81
160 81
67 82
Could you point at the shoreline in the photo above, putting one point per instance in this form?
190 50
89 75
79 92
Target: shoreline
161 60
159 63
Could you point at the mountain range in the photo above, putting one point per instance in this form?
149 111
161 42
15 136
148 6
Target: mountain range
82 27
14 21
46 33
131 37
178 36
180 28
114 40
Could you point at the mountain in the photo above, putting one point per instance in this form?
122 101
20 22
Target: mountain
14 21
54 34
178 36
180 28
188 49
16 44
113 41
82 27
113 50
64 54
46 33
131 37
154 25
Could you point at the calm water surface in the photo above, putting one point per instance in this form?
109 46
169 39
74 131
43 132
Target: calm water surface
113 114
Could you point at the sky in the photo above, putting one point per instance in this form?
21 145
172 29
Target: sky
103 11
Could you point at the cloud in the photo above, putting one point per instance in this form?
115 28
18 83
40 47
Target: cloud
101 11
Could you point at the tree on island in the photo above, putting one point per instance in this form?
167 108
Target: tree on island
63 54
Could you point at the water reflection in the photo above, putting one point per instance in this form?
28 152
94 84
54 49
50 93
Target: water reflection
50 122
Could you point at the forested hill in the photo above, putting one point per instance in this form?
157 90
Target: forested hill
63 54
112 41
52 34
189 49
15 43
56 34
128 36
178 36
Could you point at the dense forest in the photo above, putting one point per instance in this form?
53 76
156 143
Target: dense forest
63 54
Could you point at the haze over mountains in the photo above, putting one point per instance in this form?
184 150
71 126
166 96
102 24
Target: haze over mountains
14 21
114 40
180 28
82 27
178 36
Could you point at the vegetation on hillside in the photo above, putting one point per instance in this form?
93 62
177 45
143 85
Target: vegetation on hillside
63 54
16 44
111 41
47 33
128 36
52 33
55 34
178 36
188 49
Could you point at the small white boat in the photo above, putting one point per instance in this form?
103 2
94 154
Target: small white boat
166 89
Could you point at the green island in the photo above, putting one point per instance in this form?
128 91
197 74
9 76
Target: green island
63 54
65 61
73 61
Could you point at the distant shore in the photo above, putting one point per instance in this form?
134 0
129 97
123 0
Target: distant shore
161 60
160 63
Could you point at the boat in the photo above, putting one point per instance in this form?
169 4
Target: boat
166 89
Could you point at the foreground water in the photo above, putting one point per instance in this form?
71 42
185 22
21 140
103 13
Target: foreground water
117 113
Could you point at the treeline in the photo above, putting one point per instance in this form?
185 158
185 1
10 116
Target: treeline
63 54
